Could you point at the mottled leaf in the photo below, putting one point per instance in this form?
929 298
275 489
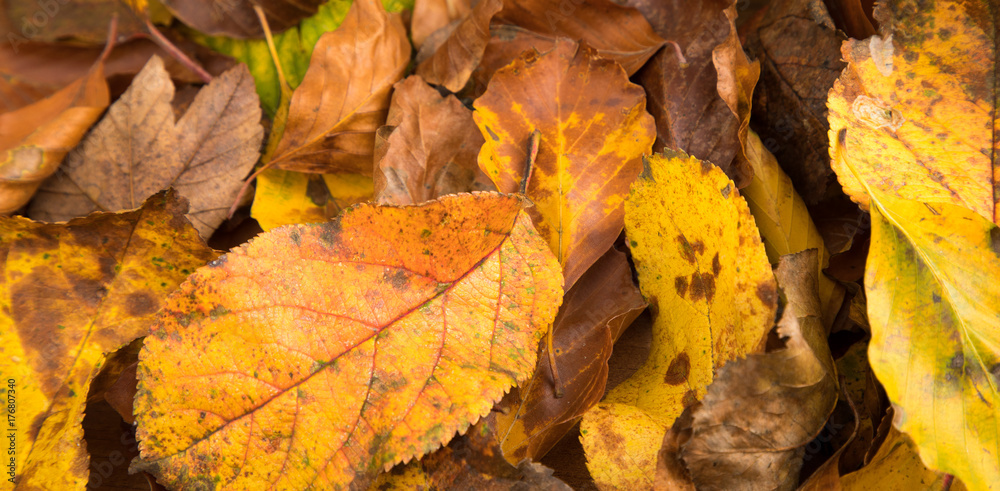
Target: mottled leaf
594 129
71 293
345 347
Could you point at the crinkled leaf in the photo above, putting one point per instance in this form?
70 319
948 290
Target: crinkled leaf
328 352
137 149
69 294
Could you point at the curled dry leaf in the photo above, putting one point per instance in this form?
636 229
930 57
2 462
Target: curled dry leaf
784 222
35 138
137 149
936 264
685 94
237 18
452 63
363 342
789 107
70 293
344 95
433 149
431 15
471 461
530 419
617 32
793 390
703 268
594 129
919 105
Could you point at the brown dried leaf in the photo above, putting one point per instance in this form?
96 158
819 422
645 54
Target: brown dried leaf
792 390
344 95
789 107
684 94
236 18
137 149
531 420
433 149
452 63
431 15
35 138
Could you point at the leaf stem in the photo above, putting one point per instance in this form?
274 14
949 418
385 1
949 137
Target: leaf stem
533 141
176 52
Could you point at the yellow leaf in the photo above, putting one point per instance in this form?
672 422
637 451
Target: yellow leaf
933 287
703 269
69 294
622 442
784 221
895 467
287 197
920 106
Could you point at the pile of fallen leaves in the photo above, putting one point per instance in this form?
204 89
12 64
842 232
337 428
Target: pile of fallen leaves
410 244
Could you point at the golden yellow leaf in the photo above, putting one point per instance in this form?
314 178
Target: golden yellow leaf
328 352
920 105
622 442
933 285
69 294
594 129
784 221
895 467
289 197
704 271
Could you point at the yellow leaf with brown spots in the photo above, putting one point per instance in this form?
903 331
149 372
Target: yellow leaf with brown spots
69 294
703 269
594 130
932 281
289 197
920 105
328 352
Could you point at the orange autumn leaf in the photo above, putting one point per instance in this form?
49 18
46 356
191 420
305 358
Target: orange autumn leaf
328 352
594 130
344 94
69 294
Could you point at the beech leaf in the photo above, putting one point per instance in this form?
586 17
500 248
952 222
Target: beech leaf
69 294
594 129
329 352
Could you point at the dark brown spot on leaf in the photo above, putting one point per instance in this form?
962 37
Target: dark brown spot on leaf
138 304
702 286
677 372
767 293
690 398
681 285
716 265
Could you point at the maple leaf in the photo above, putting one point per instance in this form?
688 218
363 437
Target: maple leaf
594 130
936 264
920 128
356 351
70 293
344 95
137 149
36 137
703 268
432 148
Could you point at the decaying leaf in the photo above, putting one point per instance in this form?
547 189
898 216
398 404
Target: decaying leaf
433 149
362 342
35 138
789 106
594 129
784 222
344 95
69 294
919 104
936 265
236 18
472 461
530 419
792 391
288 197
431 15
616 32
684 84
621 442
703 268
452 63
137 149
